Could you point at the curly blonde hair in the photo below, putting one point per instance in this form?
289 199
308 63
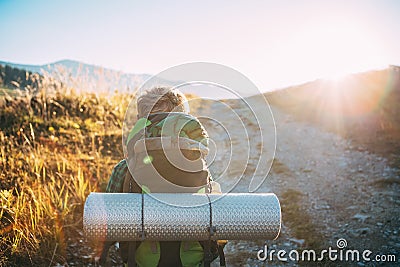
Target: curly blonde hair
160 99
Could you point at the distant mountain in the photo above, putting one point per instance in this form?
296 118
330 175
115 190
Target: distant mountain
92 78
86 77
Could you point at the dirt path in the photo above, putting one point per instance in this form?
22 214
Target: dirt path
347 192
344 192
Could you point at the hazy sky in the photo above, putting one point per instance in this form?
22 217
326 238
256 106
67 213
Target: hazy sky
274 43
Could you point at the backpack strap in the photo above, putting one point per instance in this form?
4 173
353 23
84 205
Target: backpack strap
207 253
131 254
221 254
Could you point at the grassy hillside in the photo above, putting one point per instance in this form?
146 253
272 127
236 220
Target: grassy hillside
362 107
55 147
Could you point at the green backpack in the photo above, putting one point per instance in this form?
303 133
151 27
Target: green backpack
169 147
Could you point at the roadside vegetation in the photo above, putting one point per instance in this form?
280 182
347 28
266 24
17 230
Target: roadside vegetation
56 146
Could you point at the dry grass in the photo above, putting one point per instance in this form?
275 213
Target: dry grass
56 147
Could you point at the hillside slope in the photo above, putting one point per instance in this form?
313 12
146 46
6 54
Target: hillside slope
362 107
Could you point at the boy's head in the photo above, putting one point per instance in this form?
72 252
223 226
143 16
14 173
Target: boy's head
161 99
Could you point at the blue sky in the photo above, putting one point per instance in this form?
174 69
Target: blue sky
274 43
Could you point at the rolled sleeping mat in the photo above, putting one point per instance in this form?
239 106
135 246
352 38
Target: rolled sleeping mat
183 216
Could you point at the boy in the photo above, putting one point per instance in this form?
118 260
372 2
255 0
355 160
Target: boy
162 113
157 101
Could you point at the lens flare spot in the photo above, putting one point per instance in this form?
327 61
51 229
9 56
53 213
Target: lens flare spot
148 159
